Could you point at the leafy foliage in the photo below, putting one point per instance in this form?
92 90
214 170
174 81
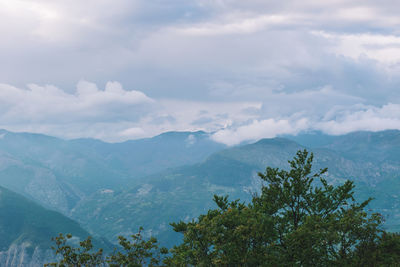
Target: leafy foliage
138 252
297 220
187 192
76 256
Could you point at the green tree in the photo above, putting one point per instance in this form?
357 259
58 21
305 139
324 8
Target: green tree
138 252
298 219
76 256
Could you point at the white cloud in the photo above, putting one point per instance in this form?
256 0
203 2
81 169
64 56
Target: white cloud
166 48
236 26
383 48
219 111
116 114
63 21
260 129
89 94
203 64
366 118
337 121
133 133
112 114
49 105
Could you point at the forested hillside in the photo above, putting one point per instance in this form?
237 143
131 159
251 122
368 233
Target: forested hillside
297 219
26 230
60 173
186 192
113 189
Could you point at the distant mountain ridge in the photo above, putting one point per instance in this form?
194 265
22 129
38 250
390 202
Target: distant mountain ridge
113 189
59 173
185 192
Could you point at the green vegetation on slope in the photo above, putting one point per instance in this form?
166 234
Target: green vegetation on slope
59 173
22 220
298 219
184 193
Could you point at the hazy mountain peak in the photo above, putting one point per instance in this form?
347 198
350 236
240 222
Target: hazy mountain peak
277 141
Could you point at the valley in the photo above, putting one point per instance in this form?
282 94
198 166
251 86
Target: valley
112 189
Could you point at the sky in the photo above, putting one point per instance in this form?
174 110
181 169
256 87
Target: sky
242 70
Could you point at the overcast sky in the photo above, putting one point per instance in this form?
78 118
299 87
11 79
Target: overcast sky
127 69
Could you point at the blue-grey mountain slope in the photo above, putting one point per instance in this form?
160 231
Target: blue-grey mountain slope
113 189
26 230
185 192
60 173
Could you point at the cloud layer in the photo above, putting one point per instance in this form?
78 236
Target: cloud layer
116 114
335 122
243 69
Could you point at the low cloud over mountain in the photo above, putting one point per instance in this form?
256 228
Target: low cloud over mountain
243 69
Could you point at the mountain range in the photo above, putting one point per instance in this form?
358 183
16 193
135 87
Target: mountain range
185 192
112 189
59 173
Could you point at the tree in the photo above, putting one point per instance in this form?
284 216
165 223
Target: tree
138 252
76 256
298 219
